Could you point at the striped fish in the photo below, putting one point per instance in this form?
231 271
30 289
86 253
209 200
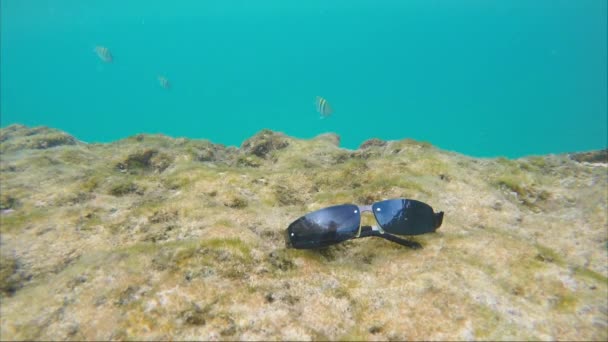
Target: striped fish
164 82
323 107
104 53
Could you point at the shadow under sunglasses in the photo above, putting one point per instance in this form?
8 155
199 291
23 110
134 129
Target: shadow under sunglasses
339 223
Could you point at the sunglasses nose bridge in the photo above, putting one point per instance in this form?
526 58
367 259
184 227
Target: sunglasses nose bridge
368 209
364 208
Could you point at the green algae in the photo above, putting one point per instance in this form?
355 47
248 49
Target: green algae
124 187
432 166
173 256
178 182
249 161
8 201
89 221
334 197
546 254
16 137
513 183
356 334
237 202
481 265
51 140
22 218
281 261
537 164
284 195
178 236
565 302
529 194
264 143
404 184
145 160
225 222
487 321
229 243
590 274
10 279
91 183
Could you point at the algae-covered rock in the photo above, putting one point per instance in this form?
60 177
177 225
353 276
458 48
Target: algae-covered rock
248 161
207 152
331 138
591 157
372 142
145 160
264 142
12 275
156 238
124 188
53 140
19 137
7 201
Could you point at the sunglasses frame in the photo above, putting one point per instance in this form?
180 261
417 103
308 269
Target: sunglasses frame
375 230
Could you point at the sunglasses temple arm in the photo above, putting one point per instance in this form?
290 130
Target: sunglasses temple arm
367 231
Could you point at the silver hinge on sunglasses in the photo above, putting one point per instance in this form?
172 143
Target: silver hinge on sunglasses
374 228
378 229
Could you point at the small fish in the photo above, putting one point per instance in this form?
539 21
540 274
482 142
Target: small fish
323 107
104 53
164 82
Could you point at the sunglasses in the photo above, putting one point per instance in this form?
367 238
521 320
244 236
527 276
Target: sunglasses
339 223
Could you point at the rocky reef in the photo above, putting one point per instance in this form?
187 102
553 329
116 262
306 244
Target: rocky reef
157 238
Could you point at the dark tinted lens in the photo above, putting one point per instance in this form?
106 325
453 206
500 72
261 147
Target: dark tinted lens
325 227
404 217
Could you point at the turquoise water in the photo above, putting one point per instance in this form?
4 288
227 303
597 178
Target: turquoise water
484 78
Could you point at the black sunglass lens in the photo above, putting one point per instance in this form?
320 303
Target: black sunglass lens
325 227
404 216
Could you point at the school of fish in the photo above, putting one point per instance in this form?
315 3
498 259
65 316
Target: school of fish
321 104
164 82
323 107
104 54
